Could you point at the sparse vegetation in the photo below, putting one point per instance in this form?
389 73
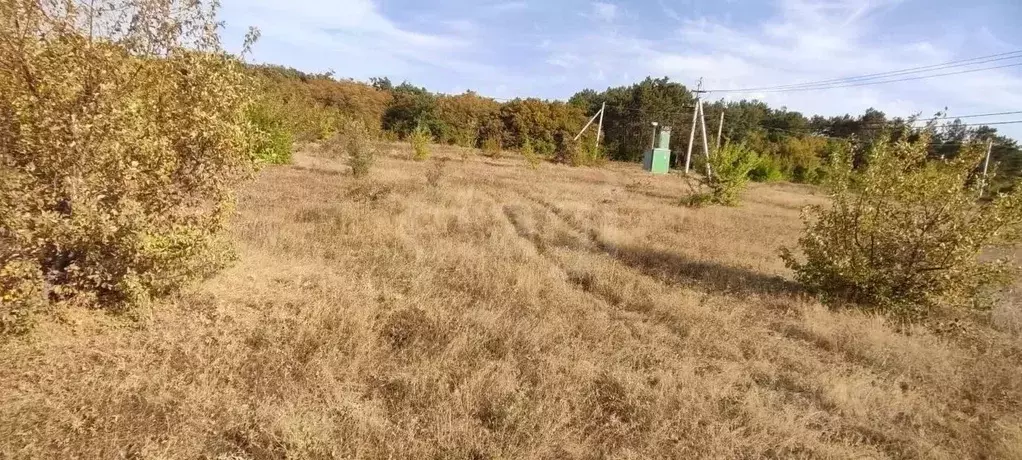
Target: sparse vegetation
905 233
436 172
557 312
498 310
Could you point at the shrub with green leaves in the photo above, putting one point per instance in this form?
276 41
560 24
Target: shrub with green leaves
491 147
730 167
577 153
529 153
420 139
272 138
766 170
119 147
905 233
360 147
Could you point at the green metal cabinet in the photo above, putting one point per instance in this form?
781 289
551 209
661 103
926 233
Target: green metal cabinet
657 161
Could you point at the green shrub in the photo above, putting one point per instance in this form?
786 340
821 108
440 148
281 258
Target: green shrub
576 153
730 167
491 147
272 139
529 153
904 234
360 148
118 153
766 171
420 139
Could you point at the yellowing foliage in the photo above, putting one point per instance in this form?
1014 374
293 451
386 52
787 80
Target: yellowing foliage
122 130
905 234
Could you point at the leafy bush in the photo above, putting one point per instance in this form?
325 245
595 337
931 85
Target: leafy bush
905 233
574 153
360 148
119 147
766 171
420 139
272 139
491 147
529 153
730 167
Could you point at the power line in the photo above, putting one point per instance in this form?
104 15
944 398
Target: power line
897 80
949 64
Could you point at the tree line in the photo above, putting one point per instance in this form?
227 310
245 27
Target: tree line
793 146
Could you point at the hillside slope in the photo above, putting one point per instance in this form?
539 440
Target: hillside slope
493 311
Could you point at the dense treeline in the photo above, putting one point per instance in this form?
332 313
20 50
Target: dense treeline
792 146
314 104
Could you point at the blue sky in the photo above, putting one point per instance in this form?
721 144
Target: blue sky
551 49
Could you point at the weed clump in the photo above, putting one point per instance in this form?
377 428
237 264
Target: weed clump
436 172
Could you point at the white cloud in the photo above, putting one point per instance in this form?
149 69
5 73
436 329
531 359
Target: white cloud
805 40
356 39
526 48
668 11
564 60
605 11
462 26
509 6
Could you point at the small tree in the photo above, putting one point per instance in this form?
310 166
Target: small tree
360 148
124 126
730 167
529 153
570 151
491 146
420 139
904 234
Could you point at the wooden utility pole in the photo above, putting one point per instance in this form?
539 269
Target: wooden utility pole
591 120
696 111
691 137
986 167
599 130
702 129
720 128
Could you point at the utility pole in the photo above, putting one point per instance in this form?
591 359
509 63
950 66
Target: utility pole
692 133
720 128
706 145
986 166
691 137
599 130
591 120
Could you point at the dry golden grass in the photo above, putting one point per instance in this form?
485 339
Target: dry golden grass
495 311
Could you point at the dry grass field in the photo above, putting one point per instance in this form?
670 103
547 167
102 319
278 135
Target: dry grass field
479 309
